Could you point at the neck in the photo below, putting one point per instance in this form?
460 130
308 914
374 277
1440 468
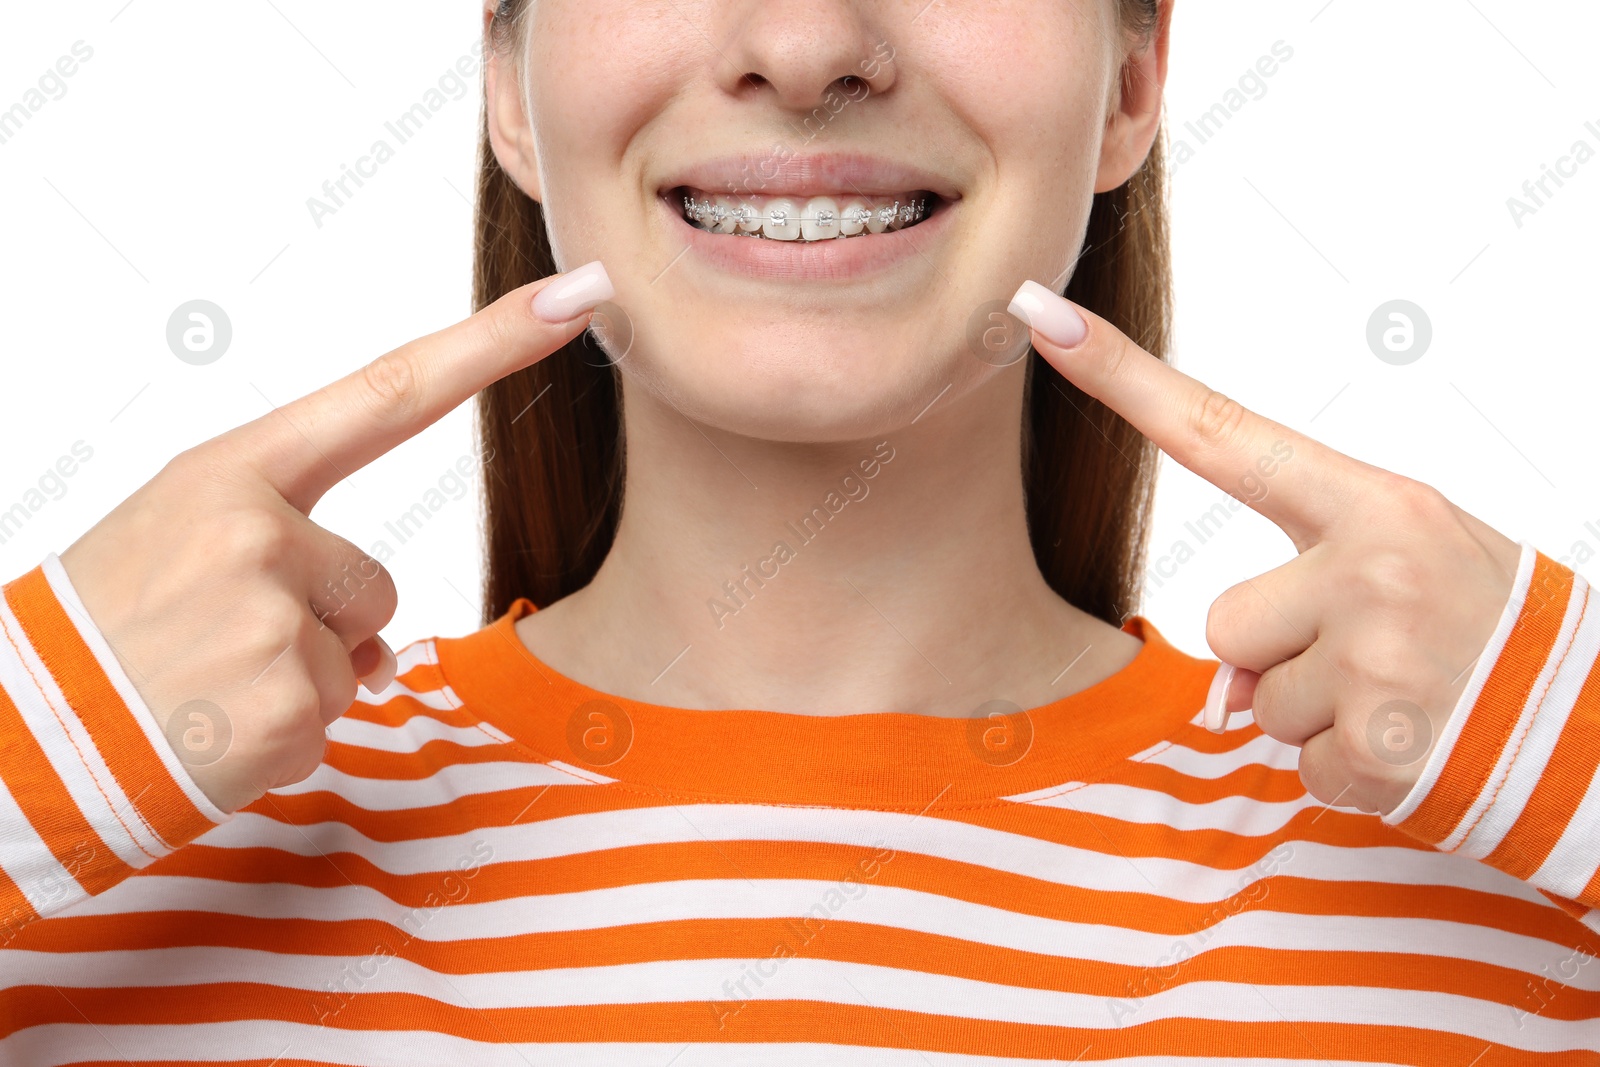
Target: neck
892 573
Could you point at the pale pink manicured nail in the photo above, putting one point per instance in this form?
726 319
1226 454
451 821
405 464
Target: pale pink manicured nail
383 673
574 293
1216 714
1054 317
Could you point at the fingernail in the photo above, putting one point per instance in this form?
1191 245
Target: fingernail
1052 316
574 293
377 681
1216 713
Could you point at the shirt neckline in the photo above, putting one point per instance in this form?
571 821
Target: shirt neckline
885 760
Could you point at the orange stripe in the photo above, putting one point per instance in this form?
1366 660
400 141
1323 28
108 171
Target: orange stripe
780 1021
1560 790
155 796
1494 715
49 807
829 865
840 940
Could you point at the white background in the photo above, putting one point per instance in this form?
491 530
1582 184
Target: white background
1376 166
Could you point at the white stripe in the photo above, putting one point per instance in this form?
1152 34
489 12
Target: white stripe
1509 751
69 749
829 982
1262 751
28 861
61 585
417 654
444 785
65 1043
410 734
441 699
1235 814
1434 766
1544 715
574 835
810 905
1571 864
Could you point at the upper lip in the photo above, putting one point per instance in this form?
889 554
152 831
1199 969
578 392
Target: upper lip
778 174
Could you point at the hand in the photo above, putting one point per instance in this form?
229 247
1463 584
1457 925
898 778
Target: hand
1356 650
212 585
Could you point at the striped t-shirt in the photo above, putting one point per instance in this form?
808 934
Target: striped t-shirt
498 865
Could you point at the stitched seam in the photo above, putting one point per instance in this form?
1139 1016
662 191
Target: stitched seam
79 753
1103 771
1537 707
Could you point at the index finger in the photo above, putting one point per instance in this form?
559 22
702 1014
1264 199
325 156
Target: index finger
309 445
1213 435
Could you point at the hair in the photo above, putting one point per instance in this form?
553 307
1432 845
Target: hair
553 474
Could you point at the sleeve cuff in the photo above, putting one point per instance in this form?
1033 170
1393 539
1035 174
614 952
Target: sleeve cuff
89 787
1512 778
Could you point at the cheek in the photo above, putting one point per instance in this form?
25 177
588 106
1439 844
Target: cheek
1029 79
599 72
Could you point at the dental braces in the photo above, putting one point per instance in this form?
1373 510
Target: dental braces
711 214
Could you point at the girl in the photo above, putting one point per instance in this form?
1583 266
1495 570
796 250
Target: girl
811 721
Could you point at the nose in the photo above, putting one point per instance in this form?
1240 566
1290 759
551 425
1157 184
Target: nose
795 51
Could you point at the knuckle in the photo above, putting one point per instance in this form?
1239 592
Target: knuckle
493 328
1273 690
186 465
308 759
281 625
1217 418
199 465
1117 357
1220 623
298 699
255 537
1388 576
1382 665
392 380
1363 772
1420 505
360 578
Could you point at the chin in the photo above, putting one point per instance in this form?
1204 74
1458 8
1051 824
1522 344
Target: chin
804 383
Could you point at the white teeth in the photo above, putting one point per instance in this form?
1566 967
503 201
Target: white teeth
820 219
783 220
749 221
853 217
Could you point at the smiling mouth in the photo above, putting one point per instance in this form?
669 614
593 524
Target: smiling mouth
803 219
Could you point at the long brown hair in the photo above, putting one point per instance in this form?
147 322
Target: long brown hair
553 431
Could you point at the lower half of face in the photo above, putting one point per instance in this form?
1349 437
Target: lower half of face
827 314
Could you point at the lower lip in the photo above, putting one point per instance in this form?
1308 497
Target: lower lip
834 259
